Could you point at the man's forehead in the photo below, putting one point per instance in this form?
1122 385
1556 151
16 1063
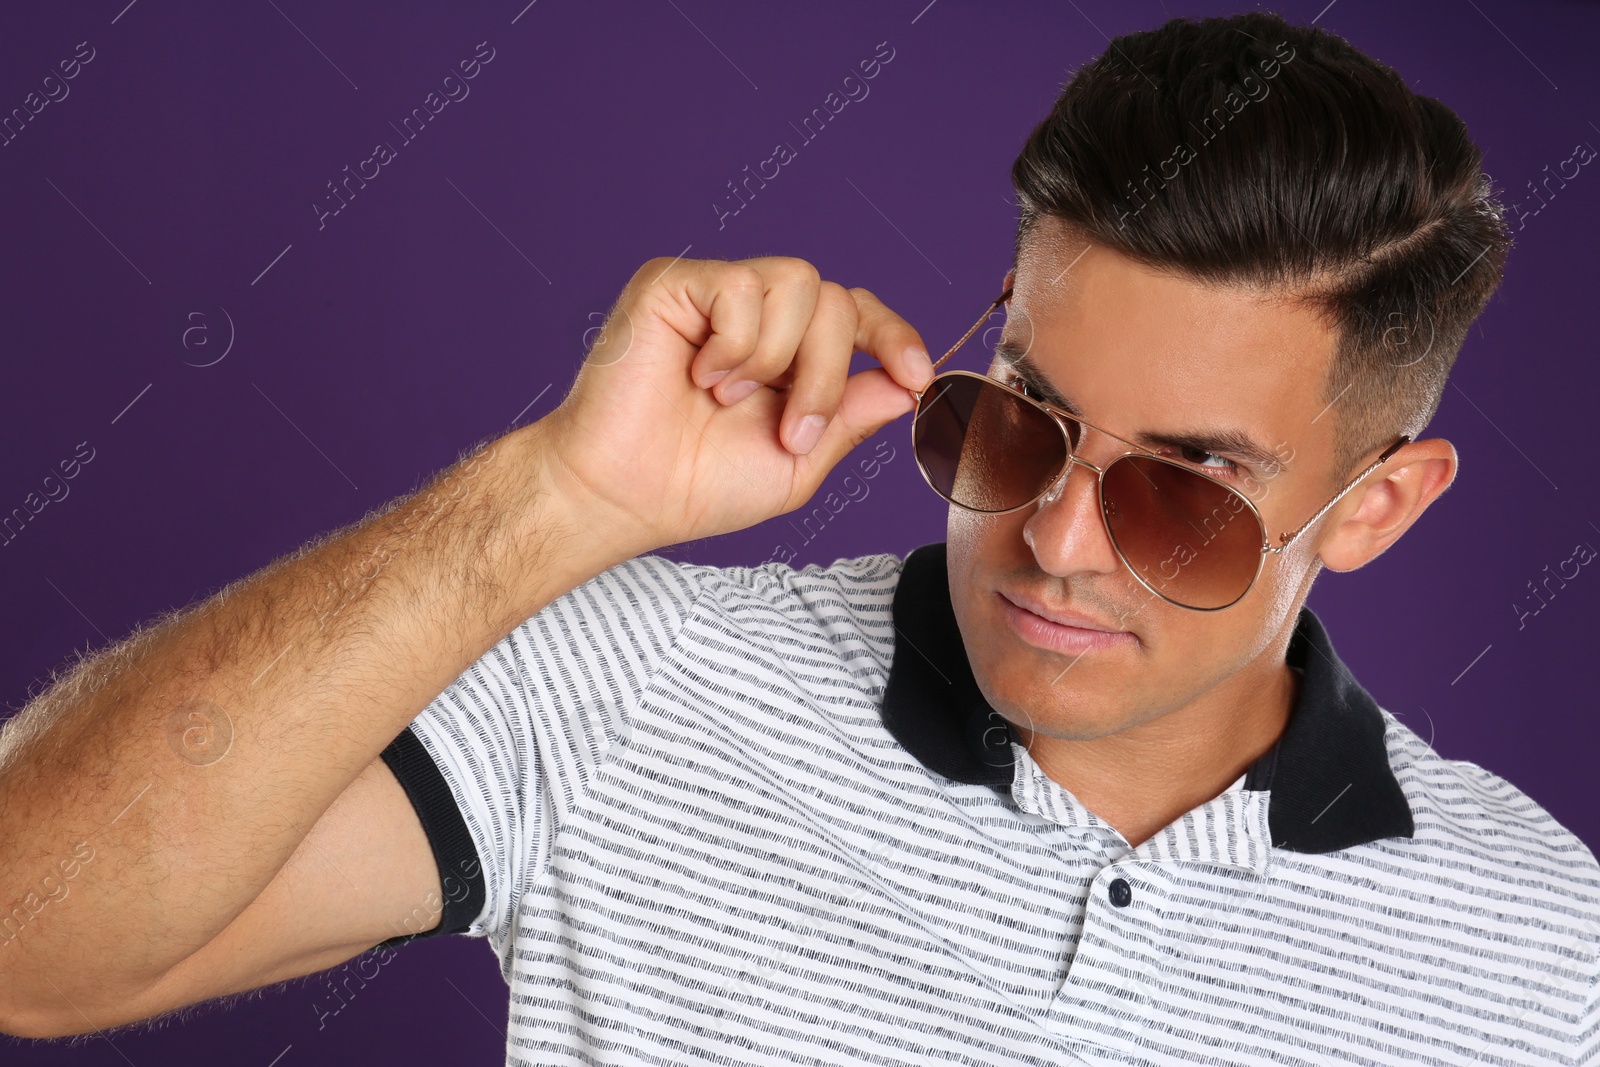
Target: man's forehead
1065 287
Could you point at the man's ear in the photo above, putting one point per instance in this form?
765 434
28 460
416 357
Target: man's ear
1010 278
1391 501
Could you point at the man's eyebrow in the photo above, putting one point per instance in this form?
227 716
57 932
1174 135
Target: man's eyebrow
1017 359
1232 444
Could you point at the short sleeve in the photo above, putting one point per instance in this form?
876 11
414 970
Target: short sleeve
496 762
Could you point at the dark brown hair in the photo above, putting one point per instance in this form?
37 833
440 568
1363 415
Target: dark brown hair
1247 151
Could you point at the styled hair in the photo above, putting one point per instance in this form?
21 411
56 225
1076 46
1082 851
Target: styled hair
1247 151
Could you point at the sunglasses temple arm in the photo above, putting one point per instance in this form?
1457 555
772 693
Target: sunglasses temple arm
1284 540
1001 299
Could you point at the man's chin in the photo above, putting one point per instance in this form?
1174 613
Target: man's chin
1063 711
1068 727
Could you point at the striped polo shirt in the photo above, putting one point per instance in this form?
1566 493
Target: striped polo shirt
760 815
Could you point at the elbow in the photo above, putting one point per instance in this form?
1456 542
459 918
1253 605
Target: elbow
25 1014
29 1025
41 1025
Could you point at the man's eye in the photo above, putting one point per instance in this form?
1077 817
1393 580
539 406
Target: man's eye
1208 460
1019 384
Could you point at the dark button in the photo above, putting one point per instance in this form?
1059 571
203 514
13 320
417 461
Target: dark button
1121 892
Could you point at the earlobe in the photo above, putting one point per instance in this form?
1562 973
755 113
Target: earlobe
1393 499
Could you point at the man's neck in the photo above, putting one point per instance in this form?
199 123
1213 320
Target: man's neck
1141 779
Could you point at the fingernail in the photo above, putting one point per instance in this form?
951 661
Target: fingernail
739 390
808 433
707 381
919 367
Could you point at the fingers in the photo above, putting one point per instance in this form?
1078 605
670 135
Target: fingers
871 400
773 321
792 287
766 306
847 320
821 365
730 296
892 341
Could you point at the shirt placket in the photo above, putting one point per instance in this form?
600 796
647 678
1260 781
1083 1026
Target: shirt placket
1106 991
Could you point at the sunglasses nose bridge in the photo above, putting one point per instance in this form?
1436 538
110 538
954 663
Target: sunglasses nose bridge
1071 434
1056 488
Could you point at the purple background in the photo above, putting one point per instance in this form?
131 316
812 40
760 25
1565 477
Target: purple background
451 298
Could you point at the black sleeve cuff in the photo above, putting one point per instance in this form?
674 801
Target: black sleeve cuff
460 872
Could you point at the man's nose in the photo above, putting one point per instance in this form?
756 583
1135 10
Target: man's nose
1066 532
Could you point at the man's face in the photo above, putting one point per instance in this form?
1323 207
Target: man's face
1144 356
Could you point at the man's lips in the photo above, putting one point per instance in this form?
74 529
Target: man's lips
1059 630
1061 616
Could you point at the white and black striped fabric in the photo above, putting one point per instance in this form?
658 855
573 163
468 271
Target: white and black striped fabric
759 815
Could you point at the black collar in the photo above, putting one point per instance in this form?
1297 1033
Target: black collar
1329 776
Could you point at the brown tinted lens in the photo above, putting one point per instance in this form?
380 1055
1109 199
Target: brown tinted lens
984 447
1190 538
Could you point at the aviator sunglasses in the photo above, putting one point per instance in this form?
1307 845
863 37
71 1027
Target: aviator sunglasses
1186 536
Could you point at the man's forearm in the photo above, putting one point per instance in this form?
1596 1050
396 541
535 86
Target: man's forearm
188 762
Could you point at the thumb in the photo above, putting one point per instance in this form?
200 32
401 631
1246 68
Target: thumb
871 400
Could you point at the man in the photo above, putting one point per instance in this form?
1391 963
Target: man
1085 783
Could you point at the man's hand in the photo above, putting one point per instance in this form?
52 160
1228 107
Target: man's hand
718 395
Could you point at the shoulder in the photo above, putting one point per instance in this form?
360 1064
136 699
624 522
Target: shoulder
859 577
853 584
1482 819
852 592
652 572
842 611
1485 857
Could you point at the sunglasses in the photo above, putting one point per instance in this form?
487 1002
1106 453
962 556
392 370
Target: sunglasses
1187 537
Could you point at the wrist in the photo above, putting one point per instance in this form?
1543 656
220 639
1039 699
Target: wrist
559 534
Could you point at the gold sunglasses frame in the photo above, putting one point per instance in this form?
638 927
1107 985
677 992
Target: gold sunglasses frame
1061 418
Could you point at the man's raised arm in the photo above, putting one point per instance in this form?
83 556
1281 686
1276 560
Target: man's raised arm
192 760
